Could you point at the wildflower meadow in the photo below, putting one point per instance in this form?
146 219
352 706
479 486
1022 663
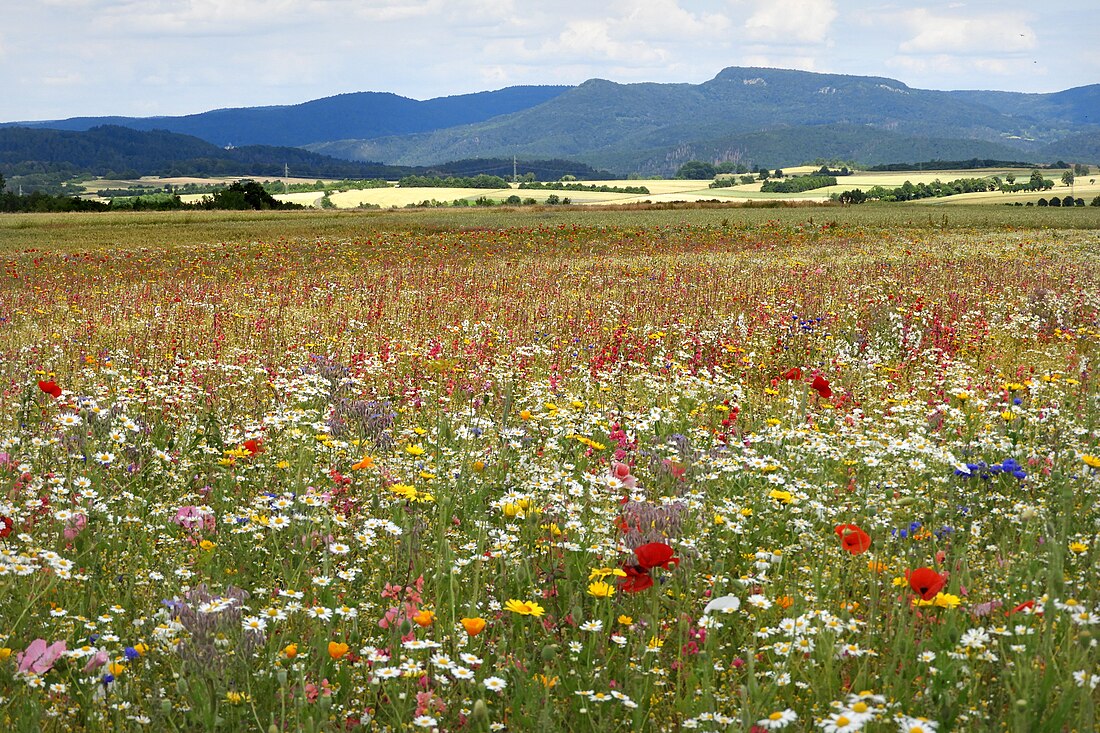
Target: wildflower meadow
553 477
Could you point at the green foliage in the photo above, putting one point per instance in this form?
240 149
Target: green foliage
696 170
245 195
479 181
562 186
911 192
951 165
798 184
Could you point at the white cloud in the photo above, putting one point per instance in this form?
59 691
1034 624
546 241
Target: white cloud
948 65
664 20
959 34
591 39
792 21
803 63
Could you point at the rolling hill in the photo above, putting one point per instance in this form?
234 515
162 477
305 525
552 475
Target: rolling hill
768 116
359 115
771 117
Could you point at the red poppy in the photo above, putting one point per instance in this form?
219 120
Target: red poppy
1021 607
792 373
253 446
50 388
6 525
853 539
821 384
655 555
637 579
926 582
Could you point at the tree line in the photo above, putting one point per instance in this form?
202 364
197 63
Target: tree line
242 195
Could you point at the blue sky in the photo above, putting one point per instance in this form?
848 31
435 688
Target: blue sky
62 58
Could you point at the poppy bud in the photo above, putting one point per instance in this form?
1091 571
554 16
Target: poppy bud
550 652
479 716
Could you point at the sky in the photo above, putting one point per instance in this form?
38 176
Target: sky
65 58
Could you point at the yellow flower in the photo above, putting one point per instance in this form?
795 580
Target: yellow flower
601 573
207 545
115 668
283 464
625 620
473 626
784 497
655 643
415 450
525 415
942 600
5 652
600 589
546 682
141 649
589 442
1078 547
478 466
524 608
1093 461
518 508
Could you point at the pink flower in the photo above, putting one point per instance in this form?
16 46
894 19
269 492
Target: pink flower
75 526
98 660
39 657
195 519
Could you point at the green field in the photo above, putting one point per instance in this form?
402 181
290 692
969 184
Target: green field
593 469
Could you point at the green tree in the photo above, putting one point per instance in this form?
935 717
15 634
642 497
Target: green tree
1067 178
696 170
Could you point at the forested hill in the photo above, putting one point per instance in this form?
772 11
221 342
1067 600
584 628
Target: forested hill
115 151
766 116
119 152
356 115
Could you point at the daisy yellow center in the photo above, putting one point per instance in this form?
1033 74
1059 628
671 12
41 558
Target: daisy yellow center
842 721
860 707
775 716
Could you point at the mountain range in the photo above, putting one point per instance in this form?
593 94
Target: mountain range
769 117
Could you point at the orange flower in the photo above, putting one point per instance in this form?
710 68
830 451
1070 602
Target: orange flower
367 462
424 619
473 626
337 650
784 602
290 651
